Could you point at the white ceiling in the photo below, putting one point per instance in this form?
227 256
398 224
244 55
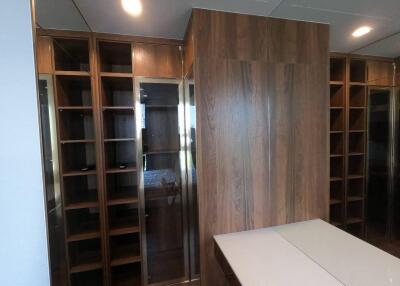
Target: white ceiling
168 18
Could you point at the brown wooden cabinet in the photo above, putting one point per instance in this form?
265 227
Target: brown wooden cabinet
350 78
122 158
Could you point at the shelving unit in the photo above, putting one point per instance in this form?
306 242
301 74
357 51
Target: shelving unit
348 101
337 139
120 162
112 214
79 169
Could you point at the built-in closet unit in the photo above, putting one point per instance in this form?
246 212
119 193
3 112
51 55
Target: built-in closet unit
119 209
359 86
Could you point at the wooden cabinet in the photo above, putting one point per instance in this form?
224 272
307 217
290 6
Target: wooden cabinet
121 136
262 146
380 73
163 61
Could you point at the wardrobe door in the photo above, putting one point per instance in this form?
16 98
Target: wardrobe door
378 187
163 180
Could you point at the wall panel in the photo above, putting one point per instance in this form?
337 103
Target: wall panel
262 101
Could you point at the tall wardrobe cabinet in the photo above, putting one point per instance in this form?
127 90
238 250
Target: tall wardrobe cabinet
115 143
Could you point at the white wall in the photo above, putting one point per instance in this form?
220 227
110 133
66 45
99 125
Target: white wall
23 246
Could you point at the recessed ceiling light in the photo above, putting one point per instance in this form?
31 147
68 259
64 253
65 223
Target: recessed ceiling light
361 31
133 7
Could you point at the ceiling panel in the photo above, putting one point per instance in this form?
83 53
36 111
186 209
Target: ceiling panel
168 18
160 18
59 14
344 17
389 47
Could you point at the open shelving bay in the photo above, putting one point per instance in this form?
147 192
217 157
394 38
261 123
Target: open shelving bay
348 101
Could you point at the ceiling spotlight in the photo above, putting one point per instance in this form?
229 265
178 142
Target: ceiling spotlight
133 7
361 31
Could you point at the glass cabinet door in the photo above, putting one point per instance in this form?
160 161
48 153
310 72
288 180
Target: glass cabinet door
190 114
160 113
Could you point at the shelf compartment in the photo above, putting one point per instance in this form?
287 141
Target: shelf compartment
82 222
71 54
74 91
337 95
336 214
85 255
356 166
354 212
336 144
121 187
76 124
357 119
161 130
117 92
126 275
337 167
123 218
355 189
337 69
88 278
356 143
159 94
78 157
337 120
115 57
119 124
125 249
336 192
358 95
82 189
358 71
120 155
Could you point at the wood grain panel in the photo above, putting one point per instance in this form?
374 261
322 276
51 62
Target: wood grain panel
153 60
380 73
253 38
262 96
44 55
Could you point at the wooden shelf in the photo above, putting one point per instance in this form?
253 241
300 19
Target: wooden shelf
354 220
83 108
122 201
77 141
86 267
334 179
357 131
80 173
354 199
82 205
125 260
124 230
120 140
335 155
118 170
358 83
352 177
116 74
356 154
161 106
119 108
335 201
161 152
83 236
73 73
337 82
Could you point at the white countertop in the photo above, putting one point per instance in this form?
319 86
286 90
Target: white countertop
311 253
